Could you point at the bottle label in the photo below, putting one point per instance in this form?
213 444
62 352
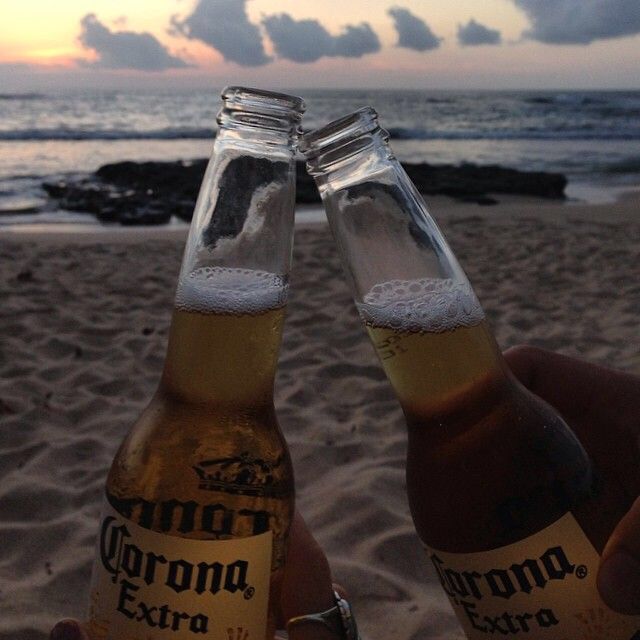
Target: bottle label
148 586
541 587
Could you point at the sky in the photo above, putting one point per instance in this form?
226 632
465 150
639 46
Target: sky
436 44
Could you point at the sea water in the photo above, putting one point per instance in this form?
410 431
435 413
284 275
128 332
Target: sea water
593 137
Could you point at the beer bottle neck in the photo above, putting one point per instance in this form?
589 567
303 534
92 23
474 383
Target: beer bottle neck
227 321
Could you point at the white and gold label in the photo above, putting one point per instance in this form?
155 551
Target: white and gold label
541 587
149 586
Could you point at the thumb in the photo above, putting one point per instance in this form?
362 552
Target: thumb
307 586
619 574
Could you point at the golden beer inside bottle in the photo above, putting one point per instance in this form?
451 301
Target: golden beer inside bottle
432 372
237 343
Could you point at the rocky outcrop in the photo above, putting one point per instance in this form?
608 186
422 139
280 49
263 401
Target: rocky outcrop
151 192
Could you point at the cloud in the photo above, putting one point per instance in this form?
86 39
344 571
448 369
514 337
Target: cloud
302 41
125 49
224 25
413 32
473 33
308 40
580 21
356 41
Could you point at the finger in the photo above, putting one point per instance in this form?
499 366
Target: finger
550 375
310 590
619 574
342 592
601 405
307 587
68 629
315 631
577 388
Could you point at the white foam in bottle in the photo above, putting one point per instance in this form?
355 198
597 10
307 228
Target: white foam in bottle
231 291
431 305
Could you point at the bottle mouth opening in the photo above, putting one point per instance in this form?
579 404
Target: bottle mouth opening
261 102
339 132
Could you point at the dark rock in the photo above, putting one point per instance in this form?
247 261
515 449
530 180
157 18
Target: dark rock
19 210
476 181
478 199
134 193
107 213
176 178
486 201
151 192
148 215
306 190
55 190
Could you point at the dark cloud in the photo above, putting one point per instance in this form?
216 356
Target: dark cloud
308 40
224 25
580 21
125 49
473 33
356 41
413 32
299 40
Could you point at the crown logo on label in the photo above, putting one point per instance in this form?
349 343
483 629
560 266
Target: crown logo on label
239 633
241 475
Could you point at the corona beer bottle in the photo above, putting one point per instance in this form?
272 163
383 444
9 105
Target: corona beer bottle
200 495
506 501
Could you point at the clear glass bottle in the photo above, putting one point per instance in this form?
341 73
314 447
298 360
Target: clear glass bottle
200 495
502 494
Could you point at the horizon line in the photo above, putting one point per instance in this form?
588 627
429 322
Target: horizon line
220 87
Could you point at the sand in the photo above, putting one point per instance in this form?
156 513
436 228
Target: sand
84 321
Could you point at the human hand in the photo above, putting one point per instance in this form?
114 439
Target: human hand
602 406
306 588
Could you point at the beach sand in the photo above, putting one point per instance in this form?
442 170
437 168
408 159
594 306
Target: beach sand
84 321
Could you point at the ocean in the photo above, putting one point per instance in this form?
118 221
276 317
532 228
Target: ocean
593 137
